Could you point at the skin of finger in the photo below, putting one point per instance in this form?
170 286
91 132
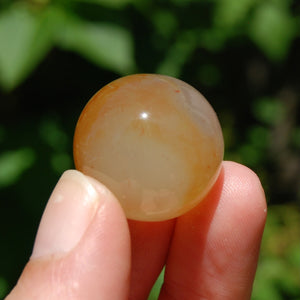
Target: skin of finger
97 268
215 246
149 245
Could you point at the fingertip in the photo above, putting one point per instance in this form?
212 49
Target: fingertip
240 215
245 188
82 249
69 211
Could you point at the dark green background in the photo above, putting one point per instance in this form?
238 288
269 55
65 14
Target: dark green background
243 55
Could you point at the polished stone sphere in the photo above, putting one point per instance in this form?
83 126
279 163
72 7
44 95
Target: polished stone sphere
154 141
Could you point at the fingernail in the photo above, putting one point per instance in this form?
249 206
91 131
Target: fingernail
69 212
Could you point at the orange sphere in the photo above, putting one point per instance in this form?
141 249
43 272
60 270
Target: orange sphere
154 141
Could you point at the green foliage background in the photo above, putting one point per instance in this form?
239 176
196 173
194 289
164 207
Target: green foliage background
243 55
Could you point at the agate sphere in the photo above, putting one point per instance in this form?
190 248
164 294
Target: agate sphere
154 141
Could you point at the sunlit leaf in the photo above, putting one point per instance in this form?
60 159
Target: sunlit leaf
13 164
107 45
157 286
273 29
25 38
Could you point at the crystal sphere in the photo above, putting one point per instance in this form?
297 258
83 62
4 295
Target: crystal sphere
154 141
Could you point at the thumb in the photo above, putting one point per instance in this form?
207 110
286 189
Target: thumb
82 248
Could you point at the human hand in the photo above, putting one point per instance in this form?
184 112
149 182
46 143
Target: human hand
86 249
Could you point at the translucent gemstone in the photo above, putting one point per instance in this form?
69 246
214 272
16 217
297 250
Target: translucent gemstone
154 141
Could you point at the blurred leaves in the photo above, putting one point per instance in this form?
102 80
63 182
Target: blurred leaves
296 137
254 150
177 55
3 287
28 32
109 3
273 28
2 134
209 74
269 111
13 163
270 24
27 35
53 135
279 266
25 39
56 138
